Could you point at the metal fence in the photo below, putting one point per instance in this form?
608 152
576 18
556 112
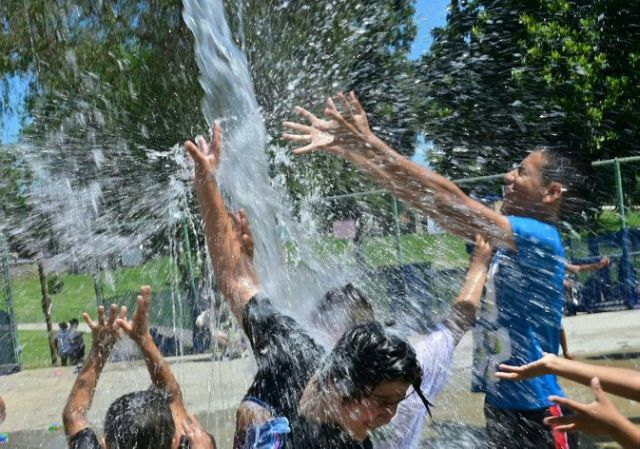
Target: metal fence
417 256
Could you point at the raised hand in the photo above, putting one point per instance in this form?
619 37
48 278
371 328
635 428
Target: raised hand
205 156
104 332
597 418
346 133
604 262
482 252
534 369
138 327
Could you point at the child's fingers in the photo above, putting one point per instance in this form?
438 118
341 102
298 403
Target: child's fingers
113 312
101 316
87 319
305 114
124 325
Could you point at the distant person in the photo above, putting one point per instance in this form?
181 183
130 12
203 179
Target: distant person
524 304
571 295
151 419
77 343
64 343
572 302
326 400
3 410
598 418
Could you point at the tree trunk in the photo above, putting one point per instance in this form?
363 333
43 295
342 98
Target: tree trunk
46 309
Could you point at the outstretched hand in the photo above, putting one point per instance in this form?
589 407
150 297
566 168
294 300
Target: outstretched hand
345 133
206 157
104 332
138 327
597 418
534 369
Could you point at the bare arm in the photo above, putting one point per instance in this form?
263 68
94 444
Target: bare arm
619 381
463 313
230 244
599 265
104 335
564 345
350 137
159 371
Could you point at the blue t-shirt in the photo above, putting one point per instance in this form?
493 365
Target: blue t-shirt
521 315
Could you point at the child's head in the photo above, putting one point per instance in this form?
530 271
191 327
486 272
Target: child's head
73 323
342 308
140 420
550 183
63 325
370 371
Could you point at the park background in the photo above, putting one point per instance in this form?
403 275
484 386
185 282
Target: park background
463 87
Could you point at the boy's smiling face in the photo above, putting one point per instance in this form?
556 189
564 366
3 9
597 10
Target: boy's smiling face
526 192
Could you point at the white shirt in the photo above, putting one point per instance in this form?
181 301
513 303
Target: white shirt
435 354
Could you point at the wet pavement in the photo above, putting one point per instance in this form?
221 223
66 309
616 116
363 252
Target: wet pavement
213 389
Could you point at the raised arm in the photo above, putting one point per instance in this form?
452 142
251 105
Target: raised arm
463 312
229 242
349 136
619 381
138 330
104 335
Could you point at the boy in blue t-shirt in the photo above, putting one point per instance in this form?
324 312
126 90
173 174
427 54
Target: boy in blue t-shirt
525 280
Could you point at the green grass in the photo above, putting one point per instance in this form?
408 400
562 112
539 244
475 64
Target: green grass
609 221
78 294
35 349
441 250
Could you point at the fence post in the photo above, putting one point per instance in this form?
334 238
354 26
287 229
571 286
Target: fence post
616 166
8 299
396 219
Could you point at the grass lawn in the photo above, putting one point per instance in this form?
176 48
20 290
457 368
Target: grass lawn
35 348
79 295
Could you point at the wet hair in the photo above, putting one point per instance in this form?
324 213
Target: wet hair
140 420
348 299
365 357
74 322
63 325
565 165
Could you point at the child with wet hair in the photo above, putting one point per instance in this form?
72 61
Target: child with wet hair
295 381
152 419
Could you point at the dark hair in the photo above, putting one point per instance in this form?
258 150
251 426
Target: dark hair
366 356
63 325
74 322
140 420
566 165
349 299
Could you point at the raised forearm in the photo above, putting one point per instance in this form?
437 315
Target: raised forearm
81 396
619 381
159 370
464 309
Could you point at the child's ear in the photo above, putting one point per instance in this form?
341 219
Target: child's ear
555 190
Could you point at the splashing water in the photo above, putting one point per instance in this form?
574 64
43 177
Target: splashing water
243 174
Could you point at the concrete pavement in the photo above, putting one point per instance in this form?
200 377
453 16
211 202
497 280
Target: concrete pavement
35 398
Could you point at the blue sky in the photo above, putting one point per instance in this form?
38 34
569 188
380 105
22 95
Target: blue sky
429 14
